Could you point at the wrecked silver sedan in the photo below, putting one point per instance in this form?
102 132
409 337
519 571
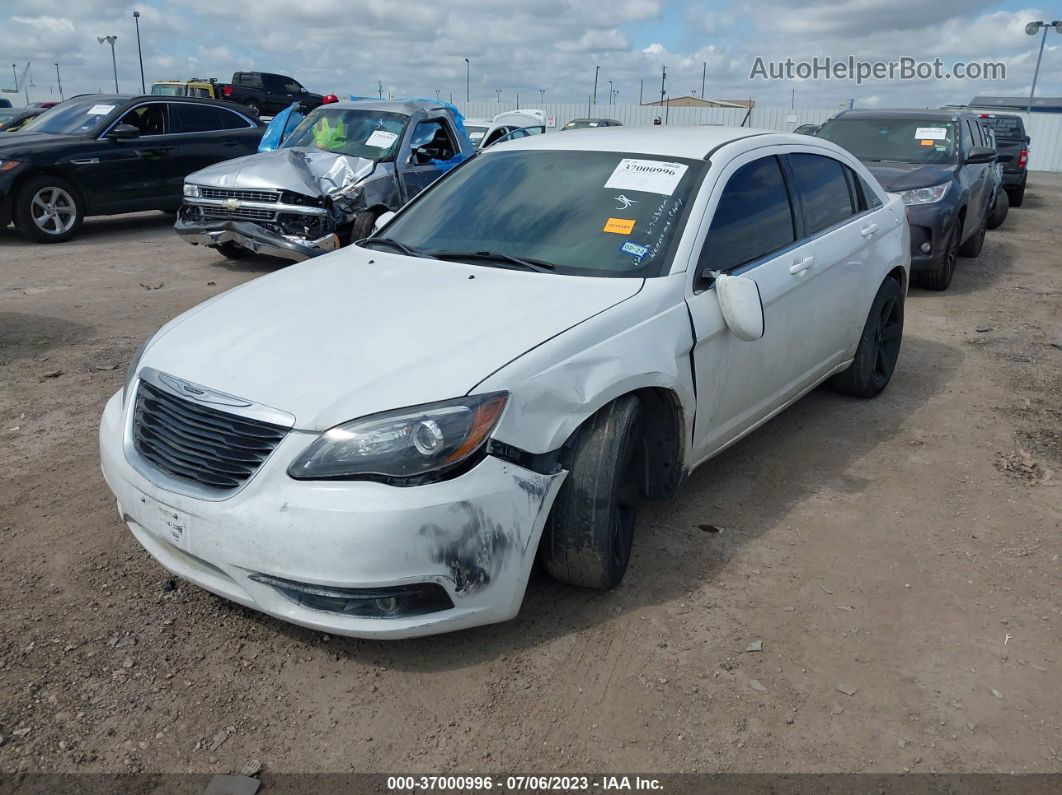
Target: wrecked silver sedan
342 167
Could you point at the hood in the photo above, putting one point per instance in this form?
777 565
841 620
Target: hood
357 331
908 176
311 172
17 143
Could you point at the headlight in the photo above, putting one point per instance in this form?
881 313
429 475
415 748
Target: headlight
7 165
130 374
407 443
191 190
925 195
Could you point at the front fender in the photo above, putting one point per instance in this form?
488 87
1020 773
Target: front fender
644 342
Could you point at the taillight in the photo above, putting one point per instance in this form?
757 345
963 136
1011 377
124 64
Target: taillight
226 90
1023 158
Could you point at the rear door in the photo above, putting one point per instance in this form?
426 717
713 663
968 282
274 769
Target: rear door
207 133
753 229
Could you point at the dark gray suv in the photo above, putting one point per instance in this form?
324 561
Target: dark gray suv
941 164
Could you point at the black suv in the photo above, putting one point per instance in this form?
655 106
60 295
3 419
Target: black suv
103 154
941 164
1012 140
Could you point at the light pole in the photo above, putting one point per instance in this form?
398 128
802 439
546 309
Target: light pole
467 72
136 19
111 40
60 81
609 92
1032 29
498 92
596 70
663 78
704 74
542 96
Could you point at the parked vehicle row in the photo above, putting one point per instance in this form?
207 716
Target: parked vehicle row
944 166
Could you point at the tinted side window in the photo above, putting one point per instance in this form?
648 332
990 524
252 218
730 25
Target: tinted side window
230 120
753 217
824 190
197 118
250 79
870 198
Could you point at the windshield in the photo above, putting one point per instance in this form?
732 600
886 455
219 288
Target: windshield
579 124
168 90
73 117
586 213
371 134
899 140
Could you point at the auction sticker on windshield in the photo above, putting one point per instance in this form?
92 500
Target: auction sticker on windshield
99 110
619 226
931 133
381 138
649 176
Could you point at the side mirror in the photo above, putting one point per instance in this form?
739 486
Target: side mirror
123 132
1004 158
381 221
741 305
980 154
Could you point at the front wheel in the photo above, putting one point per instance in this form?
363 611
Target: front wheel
588 539
879 346
48 210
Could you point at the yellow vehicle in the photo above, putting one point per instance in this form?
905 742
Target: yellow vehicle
196 87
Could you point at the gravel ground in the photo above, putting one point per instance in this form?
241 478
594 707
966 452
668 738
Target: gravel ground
898 559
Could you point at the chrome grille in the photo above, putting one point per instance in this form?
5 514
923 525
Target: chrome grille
246 195
193 442
239 212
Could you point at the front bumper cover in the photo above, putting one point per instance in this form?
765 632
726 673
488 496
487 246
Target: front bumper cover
475 535
251 236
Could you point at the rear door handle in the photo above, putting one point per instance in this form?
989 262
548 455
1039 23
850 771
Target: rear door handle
801 265
230 142
868 230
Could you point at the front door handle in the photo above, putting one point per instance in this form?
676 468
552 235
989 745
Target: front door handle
801 265
868 230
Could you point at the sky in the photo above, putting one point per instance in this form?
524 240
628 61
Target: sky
412 48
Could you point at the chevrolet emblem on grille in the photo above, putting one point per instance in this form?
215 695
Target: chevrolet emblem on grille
231 204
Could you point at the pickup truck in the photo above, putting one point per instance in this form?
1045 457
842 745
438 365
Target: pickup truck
1011 139
266 94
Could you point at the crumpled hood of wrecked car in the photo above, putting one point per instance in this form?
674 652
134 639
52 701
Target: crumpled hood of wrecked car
311 172
358 331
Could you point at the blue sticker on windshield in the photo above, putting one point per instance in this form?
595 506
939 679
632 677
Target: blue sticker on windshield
634 249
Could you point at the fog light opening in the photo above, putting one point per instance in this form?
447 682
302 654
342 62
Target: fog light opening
397 601
926 247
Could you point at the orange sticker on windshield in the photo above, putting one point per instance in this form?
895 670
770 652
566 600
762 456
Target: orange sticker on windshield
619 226
926 143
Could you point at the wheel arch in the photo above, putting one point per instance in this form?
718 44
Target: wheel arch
51 170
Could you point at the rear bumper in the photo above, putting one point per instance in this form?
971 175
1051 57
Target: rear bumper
1014 179
253 237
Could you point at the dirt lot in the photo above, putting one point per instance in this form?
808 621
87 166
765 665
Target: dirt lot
898 561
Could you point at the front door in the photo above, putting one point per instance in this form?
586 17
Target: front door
753 231
431 142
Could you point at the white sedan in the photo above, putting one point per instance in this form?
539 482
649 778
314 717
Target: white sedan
379 441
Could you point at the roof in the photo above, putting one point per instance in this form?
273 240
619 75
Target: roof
688 142
406 106
591 118
903 113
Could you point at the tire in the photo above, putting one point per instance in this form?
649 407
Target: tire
999 212
940 279
48 210
971 247
233 250
362 226
879 345
1016 196
590 531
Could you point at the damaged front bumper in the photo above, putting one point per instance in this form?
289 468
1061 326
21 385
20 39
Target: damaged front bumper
201 229
278 539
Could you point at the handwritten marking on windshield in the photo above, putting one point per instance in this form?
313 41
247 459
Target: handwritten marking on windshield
624 202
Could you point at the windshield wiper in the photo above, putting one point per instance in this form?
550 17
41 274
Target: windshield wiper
409 251
537 265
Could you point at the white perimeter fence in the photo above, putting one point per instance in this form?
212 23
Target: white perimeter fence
1045 129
